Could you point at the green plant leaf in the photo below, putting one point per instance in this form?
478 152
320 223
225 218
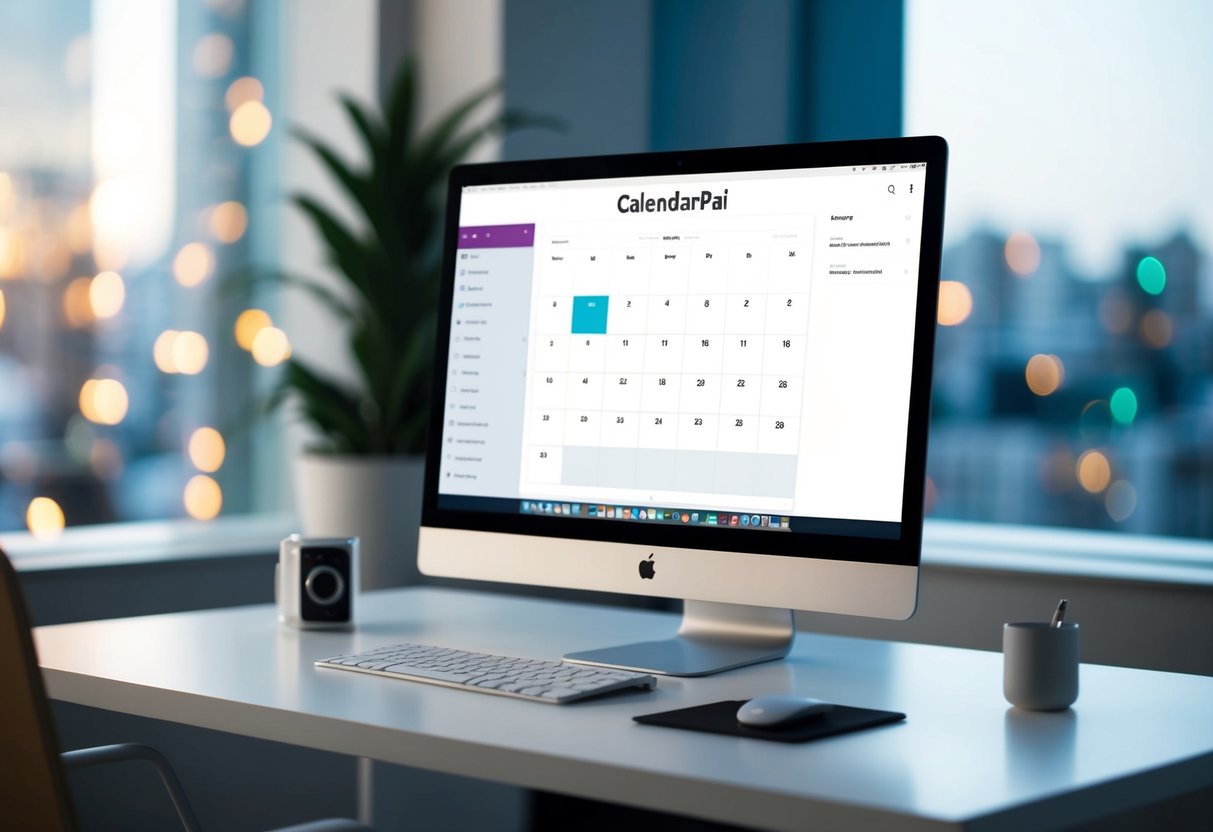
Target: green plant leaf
373 133
401 111
391 262
330 407
437 138
361 191
409 391
345 249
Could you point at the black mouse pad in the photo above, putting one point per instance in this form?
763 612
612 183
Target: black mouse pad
721 718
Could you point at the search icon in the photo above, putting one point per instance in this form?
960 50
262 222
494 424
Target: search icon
892 189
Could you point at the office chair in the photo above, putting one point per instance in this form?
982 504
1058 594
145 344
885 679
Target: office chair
33 789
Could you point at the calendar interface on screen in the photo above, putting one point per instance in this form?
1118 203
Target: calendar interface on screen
727 349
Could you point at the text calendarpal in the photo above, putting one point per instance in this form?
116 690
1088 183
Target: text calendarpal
684 342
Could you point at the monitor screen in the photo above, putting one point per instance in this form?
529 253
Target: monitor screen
722 352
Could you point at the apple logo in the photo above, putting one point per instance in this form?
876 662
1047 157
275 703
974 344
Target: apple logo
648 568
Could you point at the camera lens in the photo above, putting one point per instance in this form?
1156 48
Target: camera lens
324 585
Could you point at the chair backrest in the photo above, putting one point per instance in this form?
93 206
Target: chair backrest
33 789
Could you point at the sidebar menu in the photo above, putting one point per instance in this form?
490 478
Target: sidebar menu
486 369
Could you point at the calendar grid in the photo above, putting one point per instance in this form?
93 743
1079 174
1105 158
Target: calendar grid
604 396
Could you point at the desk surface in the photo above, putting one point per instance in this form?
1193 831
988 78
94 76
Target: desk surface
962 759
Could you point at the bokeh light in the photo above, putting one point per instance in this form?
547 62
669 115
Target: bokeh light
1056 470
202 498
8 196
955 302
79 229
44 518
77 303
242 90
103 401
1151 276
180 352
12 253
189 353
106 294
228 221
213 55
115 210
56 260
1094 472
193 264
1156 329
1044 374
110 253
1121 500
248 324
1124 405
207 449
1115 312
250 123
105 459
1022 253
271 347
1095 421
162 351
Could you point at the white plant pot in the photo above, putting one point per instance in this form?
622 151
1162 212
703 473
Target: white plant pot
376 498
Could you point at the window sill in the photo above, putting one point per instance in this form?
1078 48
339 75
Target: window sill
1051 551
947 544
161 541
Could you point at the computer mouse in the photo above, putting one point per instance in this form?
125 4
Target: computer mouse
779 709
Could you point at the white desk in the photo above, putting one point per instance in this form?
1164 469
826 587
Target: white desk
963 759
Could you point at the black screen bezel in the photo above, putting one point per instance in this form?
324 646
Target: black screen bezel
904 550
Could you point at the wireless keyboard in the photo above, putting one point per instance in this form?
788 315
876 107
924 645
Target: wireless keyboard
541 681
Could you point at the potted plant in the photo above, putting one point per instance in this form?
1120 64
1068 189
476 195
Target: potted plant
363 475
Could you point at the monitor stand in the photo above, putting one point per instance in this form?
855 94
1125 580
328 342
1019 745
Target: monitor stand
712 637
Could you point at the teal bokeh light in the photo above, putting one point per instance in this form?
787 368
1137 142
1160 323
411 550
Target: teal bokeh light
1124 405
1151 275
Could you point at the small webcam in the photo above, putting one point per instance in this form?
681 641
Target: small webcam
315 582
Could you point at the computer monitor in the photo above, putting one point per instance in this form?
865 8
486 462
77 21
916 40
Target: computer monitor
700 375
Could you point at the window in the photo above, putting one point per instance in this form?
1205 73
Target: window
125 194
1073 382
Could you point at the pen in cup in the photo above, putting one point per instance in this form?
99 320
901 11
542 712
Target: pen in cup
1060 614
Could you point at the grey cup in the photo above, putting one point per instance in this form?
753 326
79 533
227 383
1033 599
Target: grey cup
1040 665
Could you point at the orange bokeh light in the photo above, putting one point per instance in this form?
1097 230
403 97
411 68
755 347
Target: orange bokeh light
1044 374
228 221
271 347
1157 330
248 324
242 90
955 302
202 498
1094 471
250 123
193 264
1022 253
44 518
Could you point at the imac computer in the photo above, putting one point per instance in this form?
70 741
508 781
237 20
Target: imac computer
702 376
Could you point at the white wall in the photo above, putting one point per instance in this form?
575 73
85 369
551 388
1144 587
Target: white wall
459 46
324 52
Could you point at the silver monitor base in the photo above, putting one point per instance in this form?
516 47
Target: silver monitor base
712 638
